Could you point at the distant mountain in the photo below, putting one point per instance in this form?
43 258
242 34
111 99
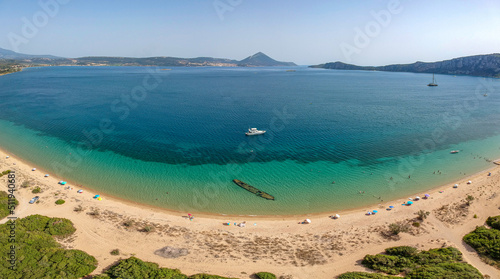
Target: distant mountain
154 61
24 60
478 65
9 54
260 59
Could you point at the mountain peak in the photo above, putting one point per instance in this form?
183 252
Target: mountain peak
261 59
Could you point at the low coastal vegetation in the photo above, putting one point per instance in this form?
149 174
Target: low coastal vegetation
487 241
4 173
4 204
37 254
411 263
60 201
136 268
265 275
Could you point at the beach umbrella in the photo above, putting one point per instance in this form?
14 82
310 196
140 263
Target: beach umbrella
80 191
368 213
337 216
375 211
60 182
46 175
99 199
410 203
63 183
33 169
308 221
469 182
7 157
427 195
417 198
391 206
96 196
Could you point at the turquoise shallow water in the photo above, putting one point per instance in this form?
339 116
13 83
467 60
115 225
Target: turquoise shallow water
185 135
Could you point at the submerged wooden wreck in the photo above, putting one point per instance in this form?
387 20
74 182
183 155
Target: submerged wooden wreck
253 189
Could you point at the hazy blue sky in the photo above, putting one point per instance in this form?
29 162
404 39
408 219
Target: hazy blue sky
305 32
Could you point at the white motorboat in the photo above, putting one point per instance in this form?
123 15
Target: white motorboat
254 132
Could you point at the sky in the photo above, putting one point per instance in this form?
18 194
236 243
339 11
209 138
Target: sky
377 32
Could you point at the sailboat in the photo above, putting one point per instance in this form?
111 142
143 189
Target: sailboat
433 83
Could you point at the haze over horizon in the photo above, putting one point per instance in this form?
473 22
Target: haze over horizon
363 33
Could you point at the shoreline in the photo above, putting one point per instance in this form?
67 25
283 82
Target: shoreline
364 208
268 243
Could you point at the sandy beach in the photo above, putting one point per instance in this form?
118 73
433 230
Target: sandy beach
323 249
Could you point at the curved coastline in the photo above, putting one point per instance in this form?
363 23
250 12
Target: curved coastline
39 169
97 235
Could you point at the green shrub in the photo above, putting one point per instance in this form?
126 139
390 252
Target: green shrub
4 204
36 190
39 255
445 270
60 227
136 268
396 228
34 223
115 252
434 263
494 222
265 275
60 201
365 275
386 263
422 214
485 241
404 251
52 226
4 173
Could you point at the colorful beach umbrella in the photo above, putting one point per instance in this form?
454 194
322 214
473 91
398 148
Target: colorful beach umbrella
33 169
427 195
80 191
63 183
410 203
391 206
375 211
46 175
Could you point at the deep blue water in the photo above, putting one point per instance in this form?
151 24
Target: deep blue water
196 118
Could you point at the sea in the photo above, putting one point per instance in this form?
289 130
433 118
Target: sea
175 137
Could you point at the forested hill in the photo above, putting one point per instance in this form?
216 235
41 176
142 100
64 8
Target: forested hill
478 65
